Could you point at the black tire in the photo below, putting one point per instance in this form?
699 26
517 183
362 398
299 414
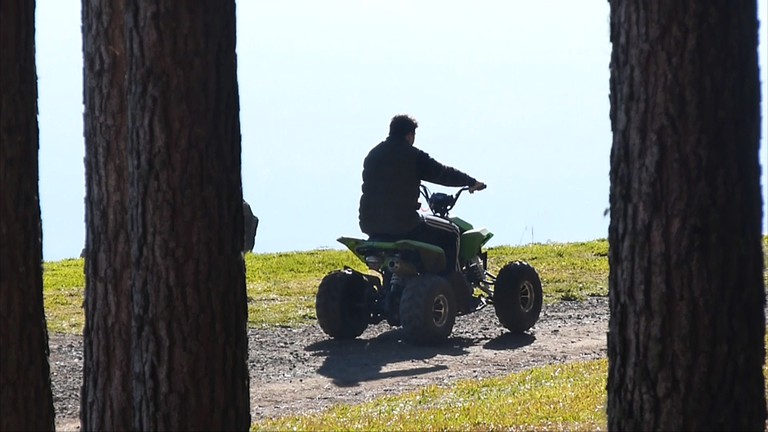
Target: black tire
341 304
517 296
427 310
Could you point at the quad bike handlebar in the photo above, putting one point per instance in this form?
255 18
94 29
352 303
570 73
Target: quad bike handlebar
441 203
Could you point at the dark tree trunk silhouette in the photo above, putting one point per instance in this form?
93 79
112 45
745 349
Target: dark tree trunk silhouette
25 383
189 355
106 395
686 339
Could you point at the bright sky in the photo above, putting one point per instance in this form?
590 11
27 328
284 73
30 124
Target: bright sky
514 93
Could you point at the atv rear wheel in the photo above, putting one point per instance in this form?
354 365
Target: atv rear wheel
341 304
427 309
517 296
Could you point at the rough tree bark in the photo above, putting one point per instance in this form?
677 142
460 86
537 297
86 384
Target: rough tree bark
25 384
686 339
186 219
106 393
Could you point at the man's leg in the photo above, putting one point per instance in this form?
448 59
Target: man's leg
444 233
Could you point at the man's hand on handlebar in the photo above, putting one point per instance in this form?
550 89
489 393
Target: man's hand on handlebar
478 186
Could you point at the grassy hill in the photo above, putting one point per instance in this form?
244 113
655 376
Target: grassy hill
281 287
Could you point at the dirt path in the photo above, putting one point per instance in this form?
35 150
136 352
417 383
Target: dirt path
300 371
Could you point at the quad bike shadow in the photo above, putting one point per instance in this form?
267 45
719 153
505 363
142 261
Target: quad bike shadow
352 361
510 341
408 291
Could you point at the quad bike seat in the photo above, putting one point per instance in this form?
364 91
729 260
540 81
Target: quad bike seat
430 256
383 238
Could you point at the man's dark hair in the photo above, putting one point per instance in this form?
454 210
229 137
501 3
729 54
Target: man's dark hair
401 125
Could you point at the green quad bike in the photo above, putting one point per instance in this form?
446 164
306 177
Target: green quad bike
408 292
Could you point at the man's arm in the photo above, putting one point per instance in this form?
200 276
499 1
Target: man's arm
434 172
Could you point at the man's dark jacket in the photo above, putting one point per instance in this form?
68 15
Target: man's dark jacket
392 173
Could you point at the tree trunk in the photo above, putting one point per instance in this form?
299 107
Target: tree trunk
186 219
686 339
106 396
25 383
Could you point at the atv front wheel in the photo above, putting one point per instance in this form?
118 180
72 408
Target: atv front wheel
517 296
341 304
427 309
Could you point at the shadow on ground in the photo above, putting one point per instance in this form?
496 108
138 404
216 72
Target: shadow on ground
508 341
350 362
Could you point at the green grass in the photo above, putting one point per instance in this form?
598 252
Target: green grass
63 283
568 271
559 397
569 396
281 287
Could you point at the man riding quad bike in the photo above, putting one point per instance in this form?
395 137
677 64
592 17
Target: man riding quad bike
409 290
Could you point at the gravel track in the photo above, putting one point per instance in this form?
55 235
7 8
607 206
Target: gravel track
299 370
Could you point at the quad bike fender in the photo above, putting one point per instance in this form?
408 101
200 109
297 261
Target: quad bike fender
461 223
432 257
370 280
472 241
